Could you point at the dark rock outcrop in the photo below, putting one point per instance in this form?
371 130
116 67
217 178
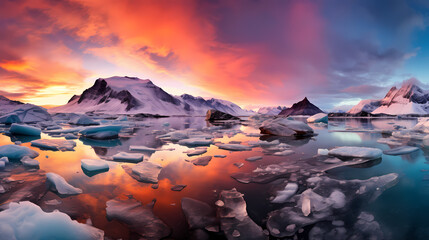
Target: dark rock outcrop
214 115
303 107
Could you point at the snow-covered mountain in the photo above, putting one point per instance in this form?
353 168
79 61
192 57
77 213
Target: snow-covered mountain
409 99
133 95
303 107
271 110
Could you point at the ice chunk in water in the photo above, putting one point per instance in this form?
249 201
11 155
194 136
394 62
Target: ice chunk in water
60 185
94 165
321 151
83 120
284 152
254 158
234 218
102 132
401 150
196 152
54 144
234 147
25 220
318 118
15 152
283 195
139 218
195 142
202 161
328 198
198 214
285 127
355 152
27 130
128 157
178 187
142 149
29 162
144 171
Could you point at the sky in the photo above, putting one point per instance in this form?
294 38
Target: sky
254 53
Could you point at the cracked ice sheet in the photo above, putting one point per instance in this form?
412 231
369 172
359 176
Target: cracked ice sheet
329 199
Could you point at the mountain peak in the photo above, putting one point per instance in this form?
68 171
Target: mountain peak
303 107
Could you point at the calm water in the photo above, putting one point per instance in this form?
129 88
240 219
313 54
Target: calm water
402 210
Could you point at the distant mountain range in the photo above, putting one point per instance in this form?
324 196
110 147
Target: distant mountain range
133 95
271 110
303 107
409 99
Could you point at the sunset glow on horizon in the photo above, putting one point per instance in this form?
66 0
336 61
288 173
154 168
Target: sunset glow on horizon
252 53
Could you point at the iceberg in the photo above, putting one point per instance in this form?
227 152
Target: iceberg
60 185
144 171
54 144
318 118
195 142
102 132
128 157
20 129
94 165
83 120
16 152
285 127
254 158
26 220
196 152
234 147
355 152
29 162
202 161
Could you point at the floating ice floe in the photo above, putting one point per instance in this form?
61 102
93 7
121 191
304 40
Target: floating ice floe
69 136
239 165
195 152
234 221
20 129
327 199
94 165
234 147
60 185
54 144
144 171
26 220
202 161
364 227
401 150
355 152
128 157
318 118
322 151
195 142
408 134
284 152
219 156
139 218
142 149
199 215
285 127
261 143
83 120
102 132
29 162
254 158
16 152
422 125
283 195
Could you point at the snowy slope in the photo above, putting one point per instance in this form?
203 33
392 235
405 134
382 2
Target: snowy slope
367 105
133 95
271 110
25 112
409 99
